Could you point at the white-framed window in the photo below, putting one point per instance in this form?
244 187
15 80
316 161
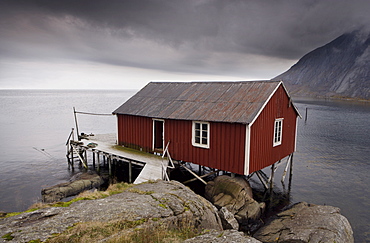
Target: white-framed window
200 134
278 131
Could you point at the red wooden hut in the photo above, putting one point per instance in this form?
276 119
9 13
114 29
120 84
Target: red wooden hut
240 127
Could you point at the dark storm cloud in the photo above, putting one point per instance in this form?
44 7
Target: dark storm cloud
175 35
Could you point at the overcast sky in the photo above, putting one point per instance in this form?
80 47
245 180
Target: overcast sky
119 44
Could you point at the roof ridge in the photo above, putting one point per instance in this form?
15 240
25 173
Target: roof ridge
216 81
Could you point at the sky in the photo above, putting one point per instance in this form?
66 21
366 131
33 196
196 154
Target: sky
124 44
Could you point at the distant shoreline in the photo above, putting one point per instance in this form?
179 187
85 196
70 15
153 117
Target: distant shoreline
328 98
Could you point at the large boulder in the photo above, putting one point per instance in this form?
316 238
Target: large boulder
156 203
305 222
235 194
79 183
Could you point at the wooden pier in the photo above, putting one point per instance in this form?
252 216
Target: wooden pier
106 151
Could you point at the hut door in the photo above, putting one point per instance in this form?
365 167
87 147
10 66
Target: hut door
158 138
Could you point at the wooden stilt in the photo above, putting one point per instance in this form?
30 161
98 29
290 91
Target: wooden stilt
129 171
261 177
305 118
109 165
78 134
85 155
98 164
271 180
290 173
72 156
93 154
286 168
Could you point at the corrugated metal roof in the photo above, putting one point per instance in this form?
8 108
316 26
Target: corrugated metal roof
236 102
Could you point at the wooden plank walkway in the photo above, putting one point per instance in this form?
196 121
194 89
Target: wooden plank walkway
154 168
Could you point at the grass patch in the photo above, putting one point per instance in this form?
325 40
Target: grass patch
8 236
87 195
135 190
94 231
17 213
163 205
125 232
158 235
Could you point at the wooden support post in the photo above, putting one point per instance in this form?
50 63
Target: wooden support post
93 154
98 164
129 171
286 169
72 157
85 155
305 118
109 165
199 170
271 180
78 134
68 154
260 176
290 173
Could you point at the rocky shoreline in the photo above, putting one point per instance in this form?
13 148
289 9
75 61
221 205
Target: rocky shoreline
171 205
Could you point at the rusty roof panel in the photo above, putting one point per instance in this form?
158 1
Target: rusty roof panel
206 101
184 109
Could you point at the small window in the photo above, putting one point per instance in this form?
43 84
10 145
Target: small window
200 134
278 128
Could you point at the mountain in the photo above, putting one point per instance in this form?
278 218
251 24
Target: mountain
339 69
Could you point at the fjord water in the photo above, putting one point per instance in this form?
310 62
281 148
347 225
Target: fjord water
331 165
34 127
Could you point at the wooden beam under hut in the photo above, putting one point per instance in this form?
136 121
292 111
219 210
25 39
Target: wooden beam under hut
202 176
194 174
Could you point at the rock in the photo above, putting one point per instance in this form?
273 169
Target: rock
223 237
159 203
2 214
80 182
236 195
305 222
227 219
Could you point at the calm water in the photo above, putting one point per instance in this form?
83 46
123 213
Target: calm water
34 127
331 165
